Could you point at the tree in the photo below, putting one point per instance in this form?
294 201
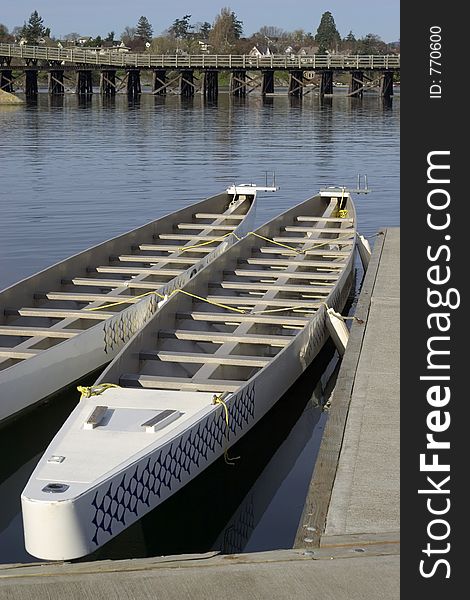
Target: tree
202 30
128 35
226 30
109 37
327 36
4 35
349 43
144 29
271 31
181 29
71 37
371 44
96 42
34 29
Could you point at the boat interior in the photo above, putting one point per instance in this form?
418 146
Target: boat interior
243 309
64 300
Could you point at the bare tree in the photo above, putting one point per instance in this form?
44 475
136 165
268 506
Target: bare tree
128 34
227 29
272 32
71 37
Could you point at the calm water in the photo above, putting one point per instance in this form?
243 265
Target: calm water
74 174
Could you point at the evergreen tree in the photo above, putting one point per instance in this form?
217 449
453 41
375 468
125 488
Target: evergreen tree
350 43
34 29
181 28
144 29
202 30
327 36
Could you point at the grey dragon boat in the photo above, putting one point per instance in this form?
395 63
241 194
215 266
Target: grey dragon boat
53 328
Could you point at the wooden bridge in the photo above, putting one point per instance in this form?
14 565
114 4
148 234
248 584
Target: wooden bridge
246 72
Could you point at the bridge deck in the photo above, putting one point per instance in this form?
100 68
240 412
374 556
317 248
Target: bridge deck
94 58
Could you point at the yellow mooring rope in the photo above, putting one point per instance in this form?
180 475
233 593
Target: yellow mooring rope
95 390
206 243
228 460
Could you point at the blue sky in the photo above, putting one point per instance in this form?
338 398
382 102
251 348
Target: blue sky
93 17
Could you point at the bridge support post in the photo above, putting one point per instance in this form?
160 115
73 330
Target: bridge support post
108 83
386 87
187 84
211 84
6 80
268 82
326 85
159 82
357 84
31 83
56 82
84 83
296 85
238 83
133 83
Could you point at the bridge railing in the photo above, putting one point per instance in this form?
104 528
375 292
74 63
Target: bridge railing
98 57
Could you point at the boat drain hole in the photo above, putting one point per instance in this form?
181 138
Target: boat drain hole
55 488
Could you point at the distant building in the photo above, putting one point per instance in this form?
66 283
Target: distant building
203 47
260 51
115 46
308 50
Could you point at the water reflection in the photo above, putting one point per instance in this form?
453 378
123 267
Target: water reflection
84 100
56 101
108 101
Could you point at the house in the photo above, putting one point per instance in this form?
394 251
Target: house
308 50
203 47
115 46
259 51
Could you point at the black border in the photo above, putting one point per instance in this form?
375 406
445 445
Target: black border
431 124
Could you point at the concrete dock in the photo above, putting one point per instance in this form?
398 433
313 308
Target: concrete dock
347 545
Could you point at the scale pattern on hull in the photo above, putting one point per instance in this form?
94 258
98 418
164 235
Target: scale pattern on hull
136 490
119 330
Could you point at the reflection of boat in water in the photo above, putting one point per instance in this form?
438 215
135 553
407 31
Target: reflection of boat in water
217 356
268 516
53 330
11 488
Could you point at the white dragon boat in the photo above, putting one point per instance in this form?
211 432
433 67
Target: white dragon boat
214 359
